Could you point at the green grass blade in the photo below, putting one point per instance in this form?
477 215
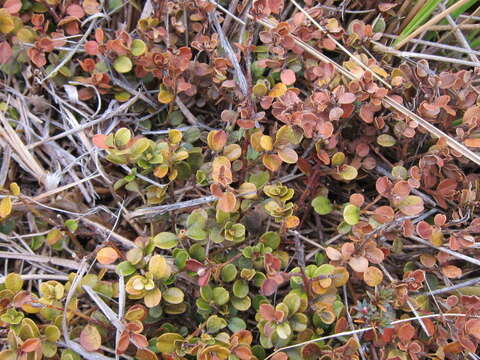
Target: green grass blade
462 8
418 19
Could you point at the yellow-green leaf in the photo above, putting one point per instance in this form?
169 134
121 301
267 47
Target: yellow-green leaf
5 207
123 64
138 47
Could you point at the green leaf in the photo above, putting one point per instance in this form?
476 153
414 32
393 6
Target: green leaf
386 140
259 179
220 296
165 240
322 205
72 225
271 239
240 288
236 324
351 214
284 330
125 268
229 273
52 333
166 342
215 324
173 295
293 302
241 304
14 282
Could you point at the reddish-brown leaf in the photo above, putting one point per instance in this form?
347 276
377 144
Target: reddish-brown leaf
473 328
346 98
91 48
76 11
405 332
424 229
384 214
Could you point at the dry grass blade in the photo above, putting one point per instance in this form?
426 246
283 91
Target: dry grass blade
25 159
446 250
110 315
108 233
409 54
70 264
454 144
448 289
242 81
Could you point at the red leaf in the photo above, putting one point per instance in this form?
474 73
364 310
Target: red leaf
269 286
447 187
204 278
194 265
91 48
267 312
288 77
424 229
5 52
99 141
139 340
123 343
12 6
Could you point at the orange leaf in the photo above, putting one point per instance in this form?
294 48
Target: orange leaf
30 345
99 141
107 256
373 276
227 202
90 338
472 142
473 328
452 271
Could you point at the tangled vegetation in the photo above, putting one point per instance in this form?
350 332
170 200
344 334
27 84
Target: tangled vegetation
239 179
